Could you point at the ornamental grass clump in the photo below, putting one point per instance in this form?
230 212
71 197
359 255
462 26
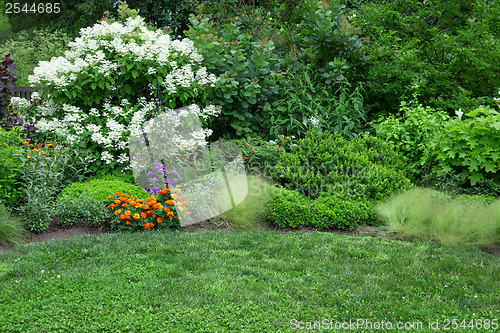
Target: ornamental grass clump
154 212
113 78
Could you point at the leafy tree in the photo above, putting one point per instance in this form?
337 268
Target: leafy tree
72 16
444 51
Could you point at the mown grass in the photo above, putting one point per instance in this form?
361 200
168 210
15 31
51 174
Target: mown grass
256 281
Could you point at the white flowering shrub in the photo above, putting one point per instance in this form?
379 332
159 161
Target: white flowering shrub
107 82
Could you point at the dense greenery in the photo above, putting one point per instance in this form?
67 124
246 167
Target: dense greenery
411 133
470 146
10 166
445 51
297 86
240 281
328 163
28 48
289 208
250 76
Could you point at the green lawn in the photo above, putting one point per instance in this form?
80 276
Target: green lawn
170 281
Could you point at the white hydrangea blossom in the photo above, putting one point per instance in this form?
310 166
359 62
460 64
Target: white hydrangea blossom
20 103
110 125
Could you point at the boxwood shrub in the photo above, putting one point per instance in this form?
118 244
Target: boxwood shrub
328 164
289 208
100 189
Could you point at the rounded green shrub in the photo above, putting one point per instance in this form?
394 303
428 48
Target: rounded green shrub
326 163
340 213
101 189
288 208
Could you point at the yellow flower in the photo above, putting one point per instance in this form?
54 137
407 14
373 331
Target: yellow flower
136 216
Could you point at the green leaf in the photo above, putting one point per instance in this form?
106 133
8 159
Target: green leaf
475 177
127 88
490 167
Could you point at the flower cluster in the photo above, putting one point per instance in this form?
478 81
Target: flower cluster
89 52
46 149
154 212
126 62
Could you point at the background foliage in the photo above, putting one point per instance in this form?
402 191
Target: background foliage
446 51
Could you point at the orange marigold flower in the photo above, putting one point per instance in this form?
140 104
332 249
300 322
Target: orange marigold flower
36 150
174 196
177 191
49 145
128 212
117 201
145 207
180 218
146 225
136 216
168 190
122 217
277 147
31 145
154 216
159 220
184 197
149 212
184 203
168 202
162 191
127 217
127 222
170 218
113 205
244 157
124 205
110 197
188 213
122 199
139 201
166 210
144 215
118 211
24 143
28 140
117 193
